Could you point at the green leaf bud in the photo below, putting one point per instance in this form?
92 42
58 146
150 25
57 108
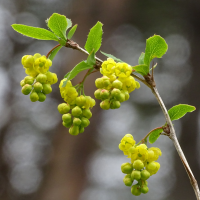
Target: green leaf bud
144 189
63 108
135 190
29 80
99 83
84 122
117 84
34 97
26 89
145 174
138 165
80 101
104 94
136 175
105 104
67 118
67 125
97 94
115 104
74 130
127 180
22 83
38 87
42 78
76 111
47 88
42 97
81 129
87 113
76 121
115 93
126 168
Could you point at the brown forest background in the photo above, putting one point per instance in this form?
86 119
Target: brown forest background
40 160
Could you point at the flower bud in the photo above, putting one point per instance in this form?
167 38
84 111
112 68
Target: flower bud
145 174
144 189
67 118
99 83
115 93
106 81
84 122
97 94
127 180
47 88
63 108
117 84
126 168
76 112
105 104
81 129
80 101
87 113
125 92
115 104
29 80
74 130
26 89
104 94
135 175
51 78
34 97
67 125
42 78
22 83
38 87
42 97
27 61
76 121
137 85
121 98
138 165
135 190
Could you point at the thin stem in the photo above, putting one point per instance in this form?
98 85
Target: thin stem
52 50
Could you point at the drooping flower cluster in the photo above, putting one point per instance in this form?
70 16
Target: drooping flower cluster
142 164
80 106
115 85
39 81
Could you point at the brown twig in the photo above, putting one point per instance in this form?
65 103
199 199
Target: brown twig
52 50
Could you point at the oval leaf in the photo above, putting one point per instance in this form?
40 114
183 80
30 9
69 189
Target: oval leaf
155 134
156 47
178 111
91 59
34 32
58 24
94 38
111 56
141 59
71 32
141 69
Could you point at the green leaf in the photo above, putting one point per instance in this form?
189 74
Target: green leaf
178 111
69 23
34 32
91 59
141 59
72 31
54 52
111 56
154 67
58 24
141 69
78 68
156 47
94 38
155 135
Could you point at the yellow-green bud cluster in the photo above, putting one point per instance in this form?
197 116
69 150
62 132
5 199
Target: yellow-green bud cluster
142 164
38 87
116 84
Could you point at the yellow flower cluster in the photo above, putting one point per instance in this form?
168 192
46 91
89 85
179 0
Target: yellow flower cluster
142 164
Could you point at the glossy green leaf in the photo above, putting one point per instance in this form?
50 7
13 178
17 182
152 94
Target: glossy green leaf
91 59
94 38
75 71
58 24
141 59
111 56
155 135
71 32
54 52
141 69
178 111
34 32
156 47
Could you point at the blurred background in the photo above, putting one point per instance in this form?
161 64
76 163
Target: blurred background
40 160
